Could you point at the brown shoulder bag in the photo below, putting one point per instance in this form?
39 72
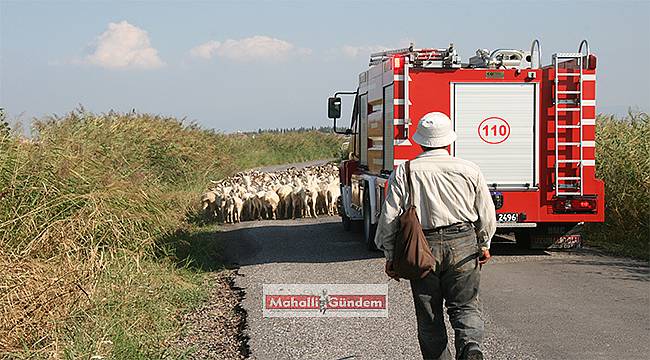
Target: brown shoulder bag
412 257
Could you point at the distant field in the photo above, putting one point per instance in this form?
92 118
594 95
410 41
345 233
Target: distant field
95 216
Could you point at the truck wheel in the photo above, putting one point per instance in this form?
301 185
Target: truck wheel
369 229
523 238
347 223
345 220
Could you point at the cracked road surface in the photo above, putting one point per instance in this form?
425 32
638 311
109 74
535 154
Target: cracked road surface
537 304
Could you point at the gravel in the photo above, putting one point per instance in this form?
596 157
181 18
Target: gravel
214 330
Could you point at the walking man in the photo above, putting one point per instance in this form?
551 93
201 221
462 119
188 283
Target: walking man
457 214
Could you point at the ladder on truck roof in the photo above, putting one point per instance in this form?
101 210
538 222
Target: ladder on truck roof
569 185
427 58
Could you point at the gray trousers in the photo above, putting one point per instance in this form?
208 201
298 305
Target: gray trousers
455 279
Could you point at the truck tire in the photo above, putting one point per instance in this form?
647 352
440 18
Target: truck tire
369 229
523 238
347 223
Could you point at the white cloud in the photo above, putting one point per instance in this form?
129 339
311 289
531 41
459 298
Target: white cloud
205 50
256 48
363 50
124 46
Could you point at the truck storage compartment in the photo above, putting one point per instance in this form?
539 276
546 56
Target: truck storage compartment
496 124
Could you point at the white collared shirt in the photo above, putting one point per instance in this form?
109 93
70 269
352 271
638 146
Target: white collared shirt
446 191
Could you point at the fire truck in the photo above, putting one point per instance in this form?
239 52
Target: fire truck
529 127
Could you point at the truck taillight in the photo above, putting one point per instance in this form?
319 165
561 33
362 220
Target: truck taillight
574 205
497 199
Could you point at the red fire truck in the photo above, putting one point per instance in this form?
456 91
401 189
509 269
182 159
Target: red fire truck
530 128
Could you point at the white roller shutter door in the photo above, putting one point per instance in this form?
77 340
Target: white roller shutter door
495 124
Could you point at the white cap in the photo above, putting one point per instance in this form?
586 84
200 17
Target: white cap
434 130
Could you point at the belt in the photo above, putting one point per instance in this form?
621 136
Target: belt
450 229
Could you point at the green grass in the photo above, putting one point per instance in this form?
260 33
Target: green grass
136 307
623 162
96 252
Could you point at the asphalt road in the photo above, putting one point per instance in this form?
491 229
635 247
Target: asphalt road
537 304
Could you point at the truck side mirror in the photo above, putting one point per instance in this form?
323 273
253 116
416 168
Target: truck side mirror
334 107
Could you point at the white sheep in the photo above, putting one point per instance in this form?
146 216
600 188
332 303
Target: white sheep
239 206
298 201
311 193
208 202
284 193
333 194
271 201
251 195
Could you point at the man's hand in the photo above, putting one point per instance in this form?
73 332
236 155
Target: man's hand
390 272
485 256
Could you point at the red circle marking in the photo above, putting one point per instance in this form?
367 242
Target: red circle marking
498 120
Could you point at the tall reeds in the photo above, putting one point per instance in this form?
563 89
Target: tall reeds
90 194
623 162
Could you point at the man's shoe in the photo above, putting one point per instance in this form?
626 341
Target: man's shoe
474 354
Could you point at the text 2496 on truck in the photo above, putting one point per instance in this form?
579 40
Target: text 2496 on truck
530 128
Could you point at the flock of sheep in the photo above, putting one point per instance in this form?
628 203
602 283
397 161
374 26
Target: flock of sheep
291 193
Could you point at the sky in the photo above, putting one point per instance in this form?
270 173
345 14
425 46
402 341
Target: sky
244 65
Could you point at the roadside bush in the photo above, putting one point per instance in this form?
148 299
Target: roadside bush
83 205
623 162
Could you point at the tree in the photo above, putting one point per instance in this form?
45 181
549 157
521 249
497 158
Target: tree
4 125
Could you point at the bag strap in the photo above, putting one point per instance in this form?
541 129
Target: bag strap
407 167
